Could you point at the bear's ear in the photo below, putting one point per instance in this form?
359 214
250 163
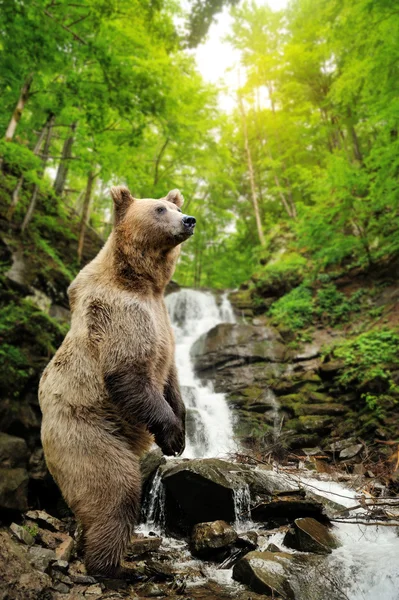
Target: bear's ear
122 200
176 197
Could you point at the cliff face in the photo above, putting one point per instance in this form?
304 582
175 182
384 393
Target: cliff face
35 271
331 388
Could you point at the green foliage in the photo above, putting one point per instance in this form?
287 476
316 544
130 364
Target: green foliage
294 310
333 306
301 307
29 338
368 363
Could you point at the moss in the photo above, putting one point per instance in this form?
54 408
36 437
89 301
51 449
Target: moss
29 338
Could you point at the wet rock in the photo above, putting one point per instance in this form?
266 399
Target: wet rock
45 520
14 489
22 534
265 573
149 465
289 576
350 452
308 535
240 343
203 490
285 509
249 540
19 580
141 545
41 558
208 537
13 451
273 548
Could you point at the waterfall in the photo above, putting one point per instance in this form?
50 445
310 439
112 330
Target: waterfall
153 509
209 422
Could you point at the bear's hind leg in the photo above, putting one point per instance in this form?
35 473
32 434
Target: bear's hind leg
108 524
107 538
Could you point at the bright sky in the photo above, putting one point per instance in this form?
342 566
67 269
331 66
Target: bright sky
215 56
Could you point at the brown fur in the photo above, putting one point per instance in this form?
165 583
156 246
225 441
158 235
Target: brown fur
112 385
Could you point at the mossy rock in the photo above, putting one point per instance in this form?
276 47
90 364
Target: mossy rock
309 424
241 299
328 408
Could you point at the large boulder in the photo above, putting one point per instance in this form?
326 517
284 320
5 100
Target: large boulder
202 490
240 343
289 576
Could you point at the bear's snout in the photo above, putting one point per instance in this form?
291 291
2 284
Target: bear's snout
189 222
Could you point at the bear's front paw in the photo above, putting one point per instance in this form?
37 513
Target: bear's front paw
172 441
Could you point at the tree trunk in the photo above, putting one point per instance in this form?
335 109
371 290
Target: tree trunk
251 173
63 167
355 140
23 97
46 151
18 187
85 213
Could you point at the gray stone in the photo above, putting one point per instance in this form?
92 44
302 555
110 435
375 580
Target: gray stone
202 490
14 489
19 580
41 558
308 535
237 342
290 576
45 520
22 534
265 573
273 548
61 565
350 452
208 537
13 451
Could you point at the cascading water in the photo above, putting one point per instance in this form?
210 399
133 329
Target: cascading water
209 422
365 564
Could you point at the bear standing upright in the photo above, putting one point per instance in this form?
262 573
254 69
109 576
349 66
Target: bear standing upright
112 385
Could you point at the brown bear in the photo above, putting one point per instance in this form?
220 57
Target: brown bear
112 386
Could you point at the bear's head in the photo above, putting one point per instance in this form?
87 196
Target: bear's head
151 224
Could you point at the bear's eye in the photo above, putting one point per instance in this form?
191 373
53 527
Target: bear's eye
178 210
160 209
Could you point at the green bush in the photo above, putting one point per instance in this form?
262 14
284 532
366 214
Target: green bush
369 359
333 306
294 310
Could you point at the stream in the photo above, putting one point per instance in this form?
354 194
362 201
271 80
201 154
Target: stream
365 566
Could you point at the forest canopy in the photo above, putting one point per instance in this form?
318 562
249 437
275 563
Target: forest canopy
301 176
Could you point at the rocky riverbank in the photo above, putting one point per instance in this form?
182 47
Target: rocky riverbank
219 529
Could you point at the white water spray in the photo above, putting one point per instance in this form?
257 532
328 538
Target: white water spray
209 422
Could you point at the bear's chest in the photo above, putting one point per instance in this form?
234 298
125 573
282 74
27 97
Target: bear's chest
164 343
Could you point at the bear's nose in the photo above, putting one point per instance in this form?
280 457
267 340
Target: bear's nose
189 221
